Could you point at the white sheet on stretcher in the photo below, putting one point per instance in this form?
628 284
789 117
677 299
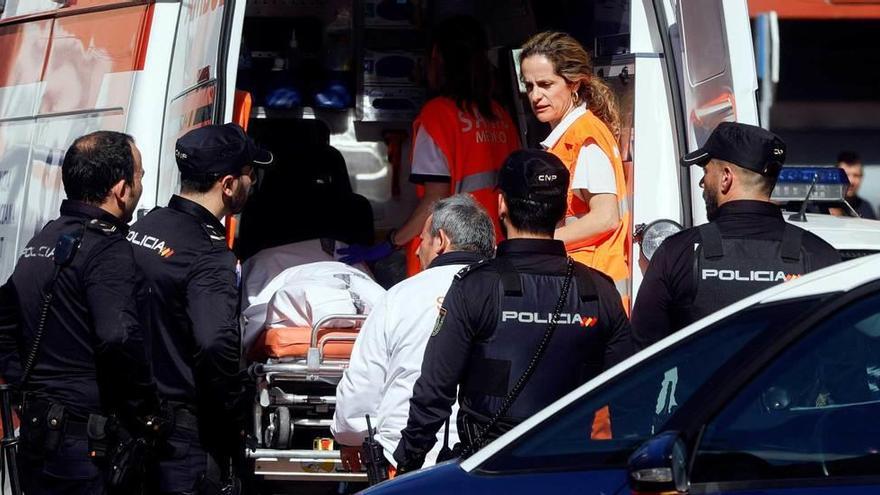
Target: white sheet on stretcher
298 284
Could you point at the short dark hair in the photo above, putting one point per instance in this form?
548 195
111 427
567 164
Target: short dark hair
467 72
536 217
199 185
94 163
761 183
849 157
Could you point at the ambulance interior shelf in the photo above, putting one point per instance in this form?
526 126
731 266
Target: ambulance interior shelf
320 55
298 54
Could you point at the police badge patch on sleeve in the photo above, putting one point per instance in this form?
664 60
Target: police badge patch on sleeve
439 322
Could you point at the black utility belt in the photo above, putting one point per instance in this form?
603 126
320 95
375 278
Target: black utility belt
45 424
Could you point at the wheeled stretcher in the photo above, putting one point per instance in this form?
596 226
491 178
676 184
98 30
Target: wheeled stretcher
296 397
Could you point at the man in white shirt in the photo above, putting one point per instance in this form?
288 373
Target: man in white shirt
387 356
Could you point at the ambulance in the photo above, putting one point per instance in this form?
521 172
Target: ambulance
349 72
332 86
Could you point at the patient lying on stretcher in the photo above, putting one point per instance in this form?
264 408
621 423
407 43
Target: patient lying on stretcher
287 289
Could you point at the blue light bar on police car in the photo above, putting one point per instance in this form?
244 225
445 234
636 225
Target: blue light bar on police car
794 183
826 175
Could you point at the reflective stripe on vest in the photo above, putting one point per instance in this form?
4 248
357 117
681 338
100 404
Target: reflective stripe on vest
474 147
475 182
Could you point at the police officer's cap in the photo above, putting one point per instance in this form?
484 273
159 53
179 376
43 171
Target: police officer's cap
534 175
744 145
217 150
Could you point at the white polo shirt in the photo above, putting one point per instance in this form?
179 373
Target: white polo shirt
593 170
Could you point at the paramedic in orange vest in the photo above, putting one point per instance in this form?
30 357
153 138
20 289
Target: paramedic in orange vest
460 138
584 122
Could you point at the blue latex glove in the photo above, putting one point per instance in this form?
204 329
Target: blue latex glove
358 253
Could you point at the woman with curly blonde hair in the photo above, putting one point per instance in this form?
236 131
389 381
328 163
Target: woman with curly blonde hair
585 125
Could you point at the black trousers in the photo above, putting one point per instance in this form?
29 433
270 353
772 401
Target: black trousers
67 471
184 469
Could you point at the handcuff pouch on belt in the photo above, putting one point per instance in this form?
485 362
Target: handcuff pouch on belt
44 431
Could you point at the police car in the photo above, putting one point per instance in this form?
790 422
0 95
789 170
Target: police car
779 393
804 193
802 189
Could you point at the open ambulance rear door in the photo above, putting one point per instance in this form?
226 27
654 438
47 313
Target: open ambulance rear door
694 68
717 74
201 84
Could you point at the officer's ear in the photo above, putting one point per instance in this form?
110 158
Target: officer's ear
119 190
502 206
727 178
445 242
227 185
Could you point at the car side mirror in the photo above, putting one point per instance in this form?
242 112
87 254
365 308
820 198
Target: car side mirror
659 466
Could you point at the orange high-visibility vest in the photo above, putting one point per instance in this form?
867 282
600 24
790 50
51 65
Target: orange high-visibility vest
609 254
474 147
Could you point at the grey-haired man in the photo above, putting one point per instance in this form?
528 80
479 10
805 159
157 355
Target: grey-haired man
387 356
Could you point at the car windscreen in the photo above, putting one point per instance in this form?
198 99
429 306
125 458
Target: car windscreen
810 414
602 428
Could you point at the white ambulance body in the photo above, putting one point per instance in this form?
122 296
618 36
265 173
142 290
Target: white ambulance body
156 69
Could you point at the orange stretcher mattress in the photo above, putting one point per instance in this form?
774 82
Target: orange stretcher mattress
293 342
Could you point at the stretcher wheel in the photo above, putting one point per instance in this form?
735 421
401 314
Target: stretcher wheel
278 432
285 428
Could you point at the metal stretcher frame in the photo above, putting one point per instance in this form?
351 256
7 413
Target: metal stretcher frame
299 464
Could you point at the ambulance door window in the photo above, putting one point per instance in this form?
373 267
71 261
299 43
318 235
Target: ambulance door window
192 83
706 81
708 84
87 85
67 76
16 8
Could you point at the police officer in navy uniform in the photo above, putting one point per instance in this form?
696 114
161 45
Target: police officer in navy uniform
497 315
747 245
194 305
75 285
